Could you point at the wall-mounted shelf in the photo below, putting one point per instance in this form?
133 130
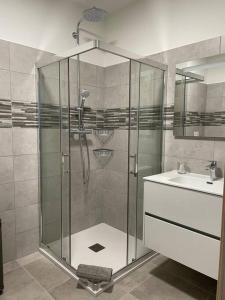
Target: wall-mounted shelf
104 134
103 153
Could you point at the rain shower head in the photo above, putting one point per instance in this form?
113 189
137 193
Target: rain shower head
94 14
84 93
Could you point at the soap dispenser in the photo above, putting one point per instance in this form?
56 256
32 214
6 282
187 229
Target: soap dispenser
181 169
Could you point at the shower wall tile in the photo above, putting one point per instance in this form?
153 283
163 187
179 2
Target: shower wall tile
26 218
23 87
222 45
188 148
88 74
25 167
100 76
18 152
4 84
118 162
115 209
6 169
22 58
24 141
27 242
26 193
6 142
7 197
112 76
8 235
4 55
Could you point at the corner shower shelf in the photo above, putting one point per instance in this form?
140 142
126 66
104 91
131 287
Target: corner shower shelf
104 134
106 153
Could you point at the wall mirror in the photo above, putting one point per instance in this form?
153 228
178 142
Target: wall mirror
199 106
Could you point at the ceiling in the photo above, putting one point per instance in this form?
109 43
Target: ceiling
109 5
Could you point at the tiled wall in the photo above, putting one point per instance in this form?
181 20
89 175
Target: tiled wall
18 149
195 153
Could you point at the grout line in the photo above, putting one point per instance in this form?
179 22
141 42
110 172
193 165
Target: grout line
36 281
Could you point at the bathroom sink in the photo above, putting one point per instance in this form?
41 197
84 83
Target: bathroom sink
191 181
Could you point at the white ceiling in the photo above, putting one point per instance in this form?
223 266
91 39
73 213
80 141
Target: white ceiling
109 5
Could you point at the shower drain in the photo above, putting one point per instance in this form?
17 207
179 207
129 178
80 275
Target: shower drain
96 247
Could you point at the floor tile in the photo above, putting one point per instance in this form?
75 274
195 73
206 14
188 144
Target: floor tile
165 286
135 278
10 266
15 280
46 273
128 297
29 258
31 291
69 291
200 280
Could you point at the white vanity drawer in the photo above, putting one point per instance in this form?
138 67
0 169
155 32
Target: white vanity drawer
194 250
191 208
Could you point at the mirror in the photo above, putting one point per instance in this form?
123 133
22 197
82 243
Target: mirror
199 105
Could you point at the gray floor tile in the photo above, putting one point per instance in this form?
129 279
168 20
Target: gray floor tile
15 280
46 273
165 286
159 259
200 280
29 258
135 278
128 297
31 291
10 266
69 291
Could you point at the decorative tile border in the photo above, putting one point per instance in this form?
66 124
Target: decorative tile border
24 114
5 113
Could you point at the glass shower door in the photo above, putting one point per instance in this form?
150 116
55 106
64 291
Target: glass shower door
146 105
54 158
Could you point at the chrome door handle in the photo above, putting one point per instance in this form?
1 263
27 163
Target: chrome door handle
64 155
135 167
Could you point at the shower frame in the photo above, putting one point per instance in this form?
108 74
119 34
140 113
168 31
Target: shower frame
78 50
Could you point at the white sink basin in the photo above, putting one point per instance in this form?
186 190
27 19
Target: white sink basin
191 181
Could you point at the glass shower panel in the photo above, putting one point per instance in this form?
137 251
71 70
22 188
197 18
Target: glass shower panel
133 150
50 157
145 145
54 159
150 122
99 93
65 152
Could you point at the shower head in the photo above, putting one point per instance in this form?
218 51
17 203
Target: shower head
94 14
84 94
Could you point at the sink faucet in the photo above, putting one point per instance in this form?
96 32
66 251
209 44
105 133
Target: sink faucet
212 167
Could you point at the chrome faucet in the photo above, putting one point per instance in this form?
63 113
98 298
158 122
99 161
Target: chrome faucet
212 167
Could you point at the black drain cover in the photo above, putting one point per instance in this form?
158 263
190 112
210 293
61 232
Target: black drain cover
96 247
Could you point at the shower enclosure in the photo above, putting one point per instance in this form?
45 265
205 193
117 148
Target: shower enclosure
100 116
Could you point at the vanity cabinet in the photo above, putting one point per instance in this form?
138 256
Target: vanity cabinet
184 225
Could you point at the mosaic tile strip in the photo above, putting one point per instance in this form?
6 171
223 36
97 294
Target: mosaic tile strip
5 113
24 114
